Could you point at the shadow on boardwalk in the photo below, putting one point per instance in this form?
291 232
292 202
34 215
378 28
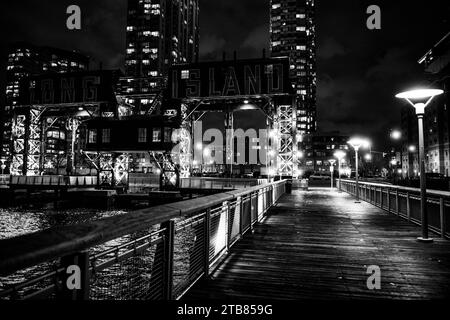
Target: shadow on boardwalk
318 245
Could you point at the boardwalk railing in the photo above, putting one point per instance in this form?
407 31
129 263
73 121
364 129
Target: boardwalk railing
405 202
219 183
156 253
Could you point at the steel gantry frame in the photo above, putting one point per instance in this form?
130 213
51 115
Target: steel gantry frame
285 125
29 133
282 119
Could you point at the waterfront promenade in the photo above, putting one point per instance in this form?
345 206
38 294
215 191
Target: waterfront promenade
318 244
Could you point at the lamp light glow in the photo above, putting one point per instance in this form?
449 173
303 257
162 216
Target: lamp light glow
357 143
396 134
419 94
339 154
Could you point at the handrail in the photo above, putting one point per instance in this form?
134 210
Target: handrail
28 250
400 188
405 202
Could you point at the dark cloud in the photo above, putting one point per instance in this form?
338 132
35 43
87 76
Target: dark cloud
211 45
258 38
330 48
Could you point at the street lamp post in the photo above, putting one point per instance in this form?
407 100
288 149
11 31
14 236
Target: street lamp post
332 162
339 155
357 143
414 97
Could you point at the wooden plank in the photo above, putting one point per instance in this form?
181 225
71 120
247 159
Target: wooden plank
318 245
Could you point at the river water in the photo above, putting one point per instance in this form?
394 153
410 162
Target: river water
15 222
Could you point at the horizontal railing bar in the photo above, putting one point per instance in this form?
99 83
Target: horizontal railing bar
401 188
16 287
125 245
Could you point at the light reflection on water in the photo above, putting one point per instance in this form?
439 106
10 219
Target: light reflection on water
16 222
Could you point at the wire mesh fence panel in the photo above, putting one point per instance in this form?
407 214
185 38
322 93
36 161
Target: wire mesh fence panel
234 222
446 218
218 233
402 204
129 271
434 213
189 253
260 203
43 284
246 213
384 199
414 208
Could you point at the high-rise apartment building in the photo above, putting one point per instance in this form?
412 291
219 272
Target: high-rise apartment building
159 33
292 32
436 63
24 60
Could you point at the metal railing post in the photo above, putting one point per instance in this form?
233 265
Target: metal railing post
397 203
408 207
207 241
442 216
381 197
76 277
389 199
239 207
226 207
253 211
168 259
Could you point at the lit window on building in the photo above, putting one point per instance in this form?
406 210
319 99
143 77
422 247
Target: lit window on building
92 136
167 134
156 135
184 74
142 135
106 135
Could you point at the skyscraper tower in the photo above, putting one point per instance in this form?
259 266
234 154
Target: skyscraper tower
24 60
159 33
292 33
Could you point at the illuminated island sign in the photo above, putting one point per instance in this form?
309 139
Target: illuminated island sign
69 88
230 78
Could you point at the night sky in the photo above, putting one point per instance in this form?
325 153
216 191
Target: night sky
359 70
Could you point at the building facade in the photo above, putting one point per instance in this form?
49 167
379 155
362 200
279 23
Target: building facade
320 148
436 63
292 33
159 33
25 60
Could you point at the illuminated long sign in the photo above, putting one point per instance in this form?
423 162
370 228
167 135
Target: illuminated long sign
230 78
84 87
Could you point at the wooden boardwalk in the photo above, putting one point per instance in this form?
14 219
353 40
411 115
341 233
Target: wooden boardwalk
318 245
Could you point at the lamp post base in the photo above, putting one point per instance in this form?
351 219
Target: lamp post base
425 240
